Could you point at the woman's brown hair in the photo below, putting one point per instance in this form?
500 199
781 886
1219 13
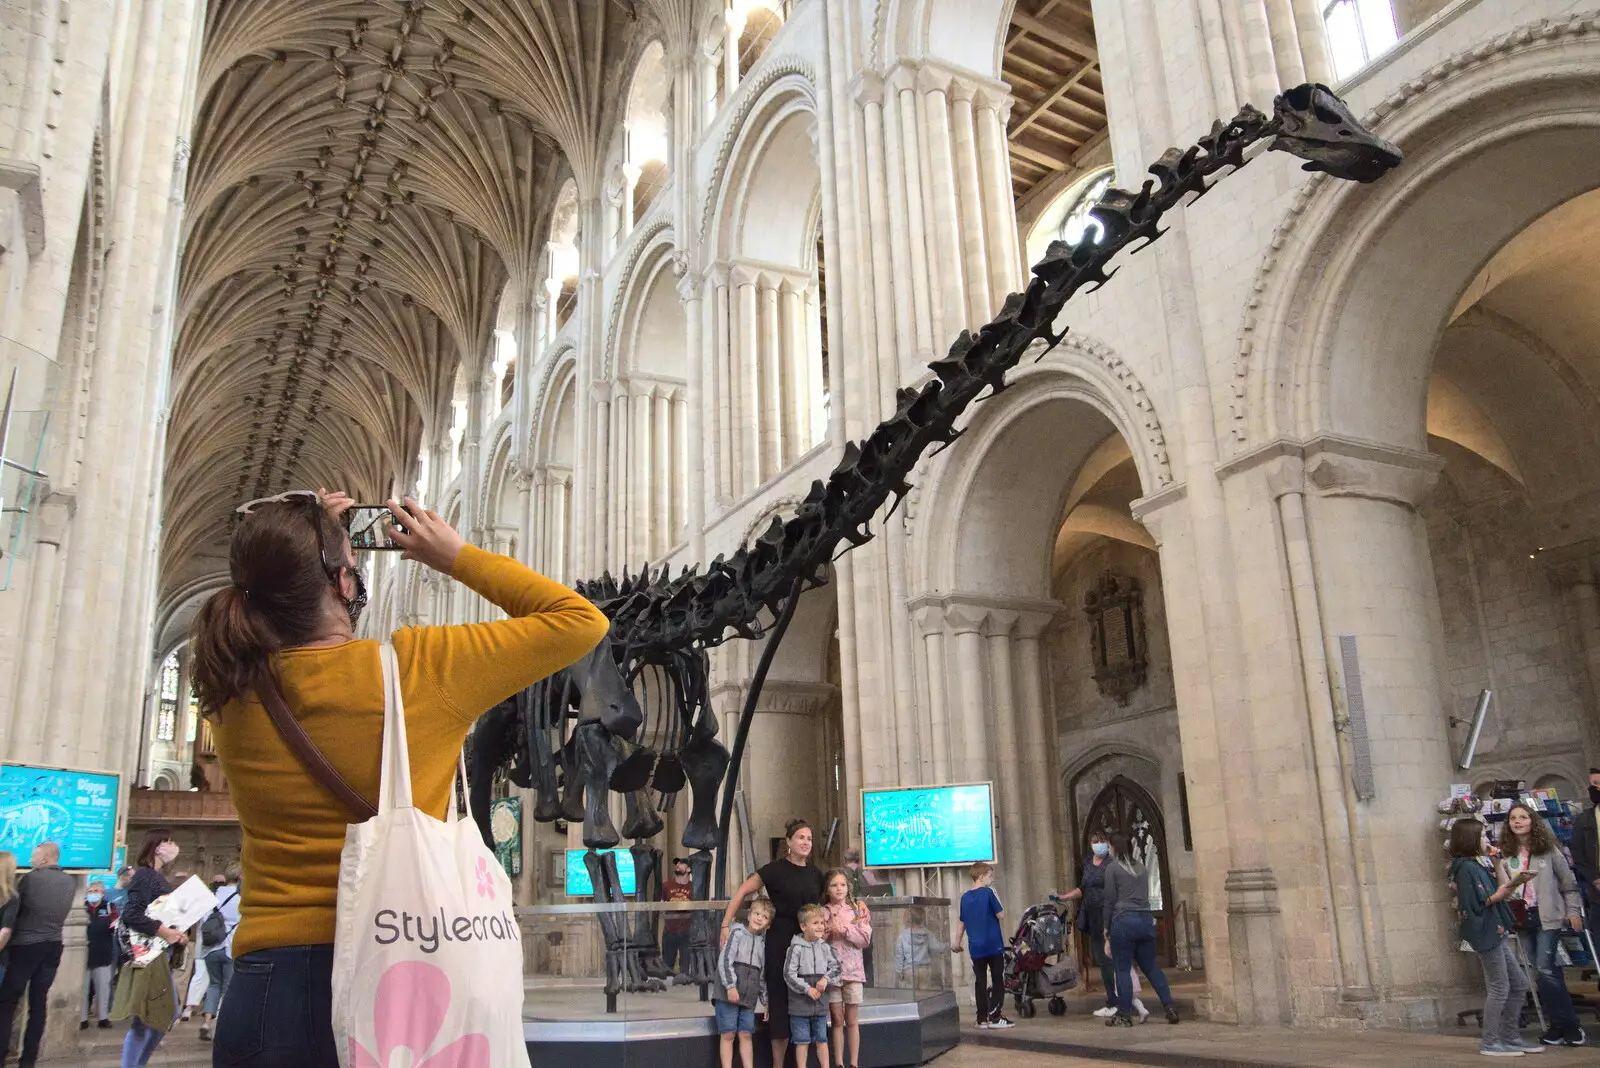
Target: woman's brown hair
146 857
282 557
1539 839
792 828
1466 838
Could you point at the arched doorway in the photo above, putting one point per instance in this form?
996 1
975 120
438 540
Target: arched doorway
1124 807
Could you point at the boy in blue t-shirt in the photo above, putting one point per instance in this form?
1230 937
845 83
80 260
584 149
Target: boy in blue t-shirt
981 916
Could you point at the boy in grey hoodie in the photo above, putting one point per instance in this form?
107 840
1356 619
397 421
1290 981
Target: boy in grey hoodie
741 973
808 969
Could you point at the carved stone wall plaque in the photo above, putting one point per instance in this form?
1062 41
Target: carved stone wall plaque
1115 607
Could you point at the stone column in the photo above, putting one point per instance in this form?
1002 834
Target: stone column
815 421
910 128
734 29
786 744
771 394
1376 580
640 501
1039 760
694 462
688 480
974 245
522 479
792 359
930 621
665 464
598 554
948 306
1000 217
969 757
723 352
747 420
1577 580
1015 843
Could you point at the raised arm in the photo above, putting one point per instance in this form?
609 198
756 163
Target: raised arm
475 666
746 888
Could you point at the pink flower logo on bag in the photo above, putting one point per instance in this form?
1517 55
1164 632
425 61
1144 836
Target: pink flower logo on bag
485 879
413 1000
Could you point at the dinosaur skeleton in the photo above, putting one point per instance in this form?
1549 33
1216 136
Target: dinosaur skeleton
574 736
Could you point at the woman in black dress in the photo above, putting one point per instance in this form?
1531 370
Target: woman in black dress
791 883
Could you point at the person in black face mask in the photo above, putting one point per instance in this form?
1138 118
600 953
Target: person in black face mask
1586 853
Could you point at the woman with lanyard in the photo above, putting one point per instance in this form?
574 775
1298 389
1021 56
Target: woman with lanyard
792 882
1091 921
145 994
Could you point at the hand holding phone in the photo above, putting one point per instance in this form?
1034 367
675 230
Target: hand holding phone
1523 877
370 526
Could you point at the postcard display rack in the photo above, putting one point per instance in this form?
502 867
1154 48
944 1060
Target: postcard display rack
1576 949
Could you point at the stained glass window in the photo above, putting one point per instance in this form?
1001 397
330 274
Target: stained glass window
167 710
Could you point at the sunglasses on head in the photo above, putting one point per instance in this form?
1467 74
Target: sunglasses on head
313 500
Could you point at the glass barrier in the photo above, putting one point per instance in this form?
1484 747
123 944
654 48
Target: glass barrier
28 383
665 956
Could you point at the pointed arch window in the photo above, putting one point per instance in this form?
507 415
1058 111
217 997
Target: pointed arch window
167 708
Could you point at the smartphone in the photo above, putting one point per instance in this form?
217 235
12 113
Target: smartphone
369 526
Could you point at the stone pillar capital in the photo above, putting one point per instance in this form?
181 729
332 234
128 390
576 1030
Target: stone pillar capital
1352 469
795 698
960 618
868 88
933 79
1000 623
901 76
1161 512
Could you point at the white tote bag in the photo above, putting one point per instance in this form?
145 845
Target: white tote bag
427 955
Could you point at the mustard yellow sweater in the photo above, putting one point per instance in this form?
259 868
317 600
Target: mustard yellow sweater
449 676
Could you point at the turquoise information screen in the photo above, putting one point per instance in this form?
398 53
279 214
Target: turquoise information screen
927 825
77 810
578 884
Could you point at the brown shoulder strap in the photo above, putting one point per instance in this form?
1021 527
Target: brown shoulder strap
296 738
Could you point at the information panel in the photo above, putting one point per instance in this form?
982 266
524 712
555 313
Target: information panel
75 809
925 826
578 884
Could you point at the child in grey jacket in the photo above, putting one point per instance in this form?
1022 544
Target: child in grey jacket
809 968
743 982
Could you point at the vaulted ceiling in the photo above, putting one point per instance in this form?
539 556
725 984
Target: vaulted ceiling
366 175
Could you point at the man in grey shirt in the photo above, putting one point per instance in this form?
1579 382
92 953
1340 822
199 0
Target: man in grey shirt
45 897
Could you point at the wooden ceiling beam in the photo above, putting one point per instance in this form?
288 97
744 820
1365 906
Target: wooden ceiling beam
1057 35
1050 98
1033 155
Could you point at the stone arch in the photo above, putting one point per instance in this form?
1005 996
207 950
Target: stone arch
1323 350
649 251
779 84
970 34
1079 371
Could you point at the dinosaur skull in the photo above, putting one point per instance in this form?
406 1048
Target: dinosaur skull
1318 127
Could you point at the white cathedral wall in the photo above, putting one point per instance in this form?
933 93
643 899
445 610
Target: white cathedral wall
1224 561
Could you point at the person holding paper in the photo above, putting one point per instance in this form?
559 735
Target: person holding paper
145 994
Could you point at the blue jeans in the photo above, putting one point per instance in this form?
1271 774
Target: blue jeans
219 968
278 1011
808 1030
1539 948
735 1019
1133 938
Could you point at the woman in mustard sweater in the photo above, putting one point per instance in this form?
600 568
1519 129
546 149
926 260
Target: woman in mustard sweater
289 615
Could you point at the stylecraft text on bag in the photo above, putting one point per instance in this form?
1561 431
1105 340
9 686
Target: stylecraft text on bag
426 931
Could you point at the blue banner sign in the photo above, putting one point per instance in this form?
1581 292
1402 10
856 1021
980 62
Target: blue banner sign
924 826
77 810
578 884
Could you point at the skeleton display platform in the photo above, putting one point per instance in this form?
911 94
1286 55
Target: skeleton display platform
908 1016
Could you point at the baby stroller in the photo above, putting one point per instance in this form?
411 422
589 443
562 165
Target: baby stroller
1037 964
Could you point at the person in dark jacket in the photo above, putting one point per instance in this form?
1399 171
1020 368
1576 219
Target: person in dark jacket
1586 852
45 897
1486 925
102 916
1091 919
145 995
